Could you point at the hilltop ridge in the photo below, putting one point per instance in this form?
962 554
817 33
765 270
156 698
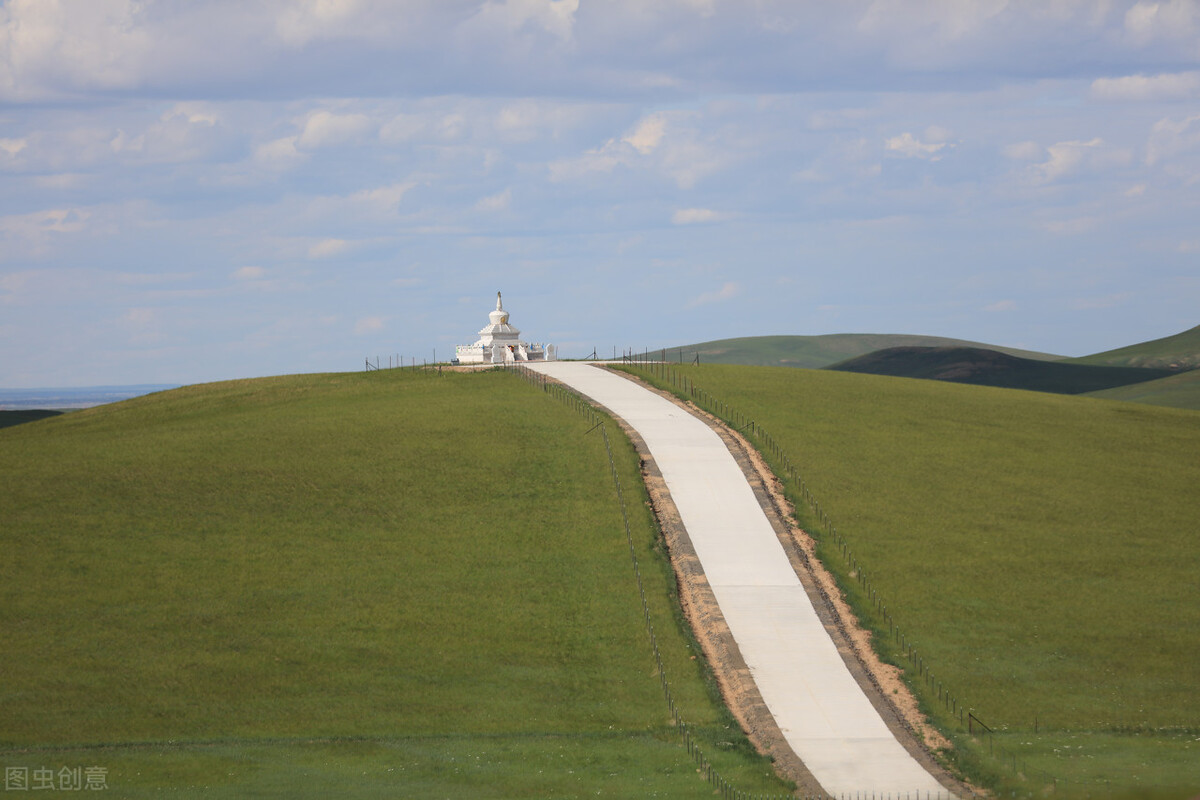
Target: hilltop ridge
1153 366
815 352
1180 351
984 367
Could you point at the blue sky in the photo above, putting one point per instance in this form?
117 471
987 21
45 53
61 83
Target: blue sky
197 190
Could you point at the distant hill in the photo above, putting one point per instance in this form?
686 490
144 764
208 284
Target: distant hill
1176 391
8 418
992 368
815 352
75 396
1178 352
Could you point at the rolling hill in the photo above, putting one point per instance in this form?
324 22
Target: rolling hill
992 368
1176 391
814 352
363 585
1037 550
1178 352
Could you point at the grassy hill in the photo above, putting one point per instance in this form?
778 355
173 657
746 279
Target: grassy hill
992 368
1037 550
365 585
814 352
1180 351
1176 391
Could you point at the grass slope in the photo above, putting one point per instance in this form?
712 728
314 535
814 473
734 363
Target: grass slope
992 368
1180 351
1040 551
376 584
814 351
1176 391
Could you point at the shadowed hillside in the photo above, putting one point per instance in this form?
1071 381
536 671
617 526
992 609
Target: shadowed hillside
991 368
8 418
814 352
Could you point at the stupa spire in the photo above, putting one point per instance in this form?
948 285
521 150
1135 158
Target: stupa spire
499 343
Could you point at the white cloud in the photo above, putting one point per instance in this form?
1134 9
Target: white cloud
1169 86
55 220
527 119
1001 305
910 147
279 153
324 128
383 199
637 144
947 21
1067 159
1148 22
303 21
555 17
1169 138
402 128
192 113
729 290
49 45
495 202
605 158
1023 151
691 216
248 274
648 134
12 146
685 150
327 247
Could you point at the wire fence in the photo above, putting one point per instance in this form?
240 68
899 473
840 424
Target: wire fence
683 386
397 361
596 421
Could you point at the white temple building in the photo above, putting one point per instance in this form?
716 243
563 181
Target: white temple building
500 343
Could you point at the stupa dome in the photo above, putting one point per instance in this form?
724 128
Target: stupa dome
500 343
499 316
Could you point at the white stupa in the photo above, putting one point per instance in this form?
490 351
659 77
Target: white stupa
500 343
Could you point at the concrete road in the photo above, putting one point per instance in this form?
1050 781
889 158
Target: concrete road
822 711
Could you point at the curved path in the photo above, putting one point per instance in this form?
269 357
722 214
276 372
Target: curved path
820 708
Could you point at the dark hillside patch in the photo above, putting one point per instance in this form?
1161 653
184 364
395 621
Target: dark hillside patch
812 352
21 416
992 368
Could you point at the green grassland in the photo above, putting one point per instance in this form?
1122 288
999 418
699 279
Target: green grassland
1176 391
1038 550
814 352
1180 351
374 584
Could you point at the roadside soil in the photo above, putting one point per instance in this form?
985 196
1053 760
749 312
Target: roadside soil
882 683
